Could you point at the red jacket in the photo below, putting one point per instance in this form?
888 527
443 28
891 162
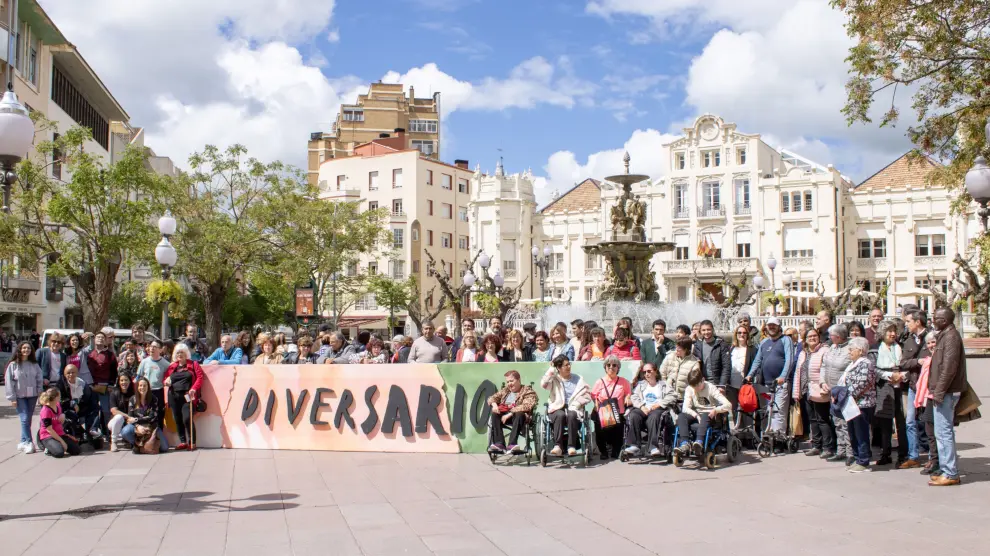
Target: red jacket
197 372
624 353
103 366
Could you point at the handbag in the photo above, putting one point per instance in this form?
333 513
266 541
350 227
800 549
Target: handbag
147 440
885 402
796 424
608 410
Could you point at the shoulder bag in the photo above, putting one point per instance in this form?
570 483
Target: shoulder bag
608 410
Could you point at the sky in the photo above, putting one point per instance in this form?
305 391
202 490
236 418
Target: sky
559 87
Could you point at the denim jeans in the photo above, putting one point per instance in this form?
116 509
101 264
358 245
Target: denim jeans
129 433
105 406
859 436
945 435
25 411
912 427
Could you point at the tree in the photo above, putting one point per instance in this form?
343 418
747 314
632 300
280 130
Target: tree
972 288
128 305
391 293
940 51
224 233
88 225
325 238
735 298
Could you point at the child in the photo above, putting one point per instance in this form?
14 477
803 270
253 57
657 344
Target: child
702 402
57 444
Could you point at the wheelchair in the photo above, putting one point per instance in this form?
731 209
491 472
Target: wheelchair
667 424
586 439
529 432
769 439
718 440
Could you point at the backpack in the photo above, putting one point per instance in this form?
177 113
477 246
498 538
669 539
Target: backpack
747 399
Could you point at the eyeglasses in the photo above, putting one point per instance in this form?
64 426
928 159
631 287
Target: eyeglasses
742 333
612 365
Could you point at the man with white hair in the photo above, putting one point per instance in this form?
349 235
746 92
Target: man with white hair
226 354
340 351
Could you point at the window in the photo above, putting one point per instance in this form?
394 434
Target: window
429 238
32 68
681 247
447 211
429 177
462 242
680 161
938 245
446 182
785 202
798 253
799 242
592 262
425 147
372 181
795 202
940 284
352 115
590 295
56 159
397 234
807 201
930 245
509 268
415 267
373 268
398 269
744 245
740 155
710 196
397 207
446 240
352 269
429 208
742 196
556 261
79 109
711 158
873 248
680 201
366 302
397 177
372 205
463 186
340 182
415 234
423 126
462 214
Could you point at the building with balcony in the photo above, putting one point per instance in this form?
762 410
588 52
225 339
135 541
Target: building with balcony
429 205
385 109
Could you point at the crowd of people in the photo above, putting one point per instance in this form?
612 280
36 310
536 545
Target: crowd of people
855 384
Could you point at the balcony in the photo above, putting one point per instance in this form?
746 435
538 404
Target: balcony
21 283
798 262
592 273
681 213
509 273
743 209
930 260
711 211
556 274
872 264
711 265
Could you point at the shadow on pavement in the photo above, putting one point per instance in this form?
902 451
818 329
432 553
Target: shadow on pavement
179 503
974 470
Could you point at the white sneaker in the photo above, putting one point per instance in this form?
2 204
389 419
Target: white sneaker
28 448
572 451
654 452
632 450
114 447
556 451
20 446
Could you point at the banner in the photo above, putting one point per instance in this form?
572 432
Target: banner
367 408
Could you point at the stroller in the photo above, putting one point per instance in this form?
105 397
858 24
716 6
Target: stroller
769 439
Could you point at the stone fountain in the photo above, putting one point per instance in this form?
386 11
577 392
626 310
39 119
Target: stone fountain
627 254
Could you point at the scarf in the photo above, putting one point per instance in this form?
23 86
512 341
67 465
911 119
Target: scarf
923 395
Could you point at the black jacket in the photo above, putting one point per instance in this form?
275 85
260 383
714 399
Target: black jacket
293 358
912 350
718 367
509 355
145 415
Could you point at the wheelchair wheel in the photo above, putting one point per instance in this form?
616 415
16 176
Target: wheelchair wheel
765 449
733 449
710 460
543 457
623 456
792 445
492 456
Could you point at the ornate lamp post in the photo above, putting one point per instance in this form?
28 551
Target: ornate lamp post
544 265
166 256
772 264
759 282
978 186
16 128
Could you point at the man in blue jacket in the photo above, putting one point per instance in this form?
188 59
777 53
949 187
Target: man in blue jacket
226 354
772 365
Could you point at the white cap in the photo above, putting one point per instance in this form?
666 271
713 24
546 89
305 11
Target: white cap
773 320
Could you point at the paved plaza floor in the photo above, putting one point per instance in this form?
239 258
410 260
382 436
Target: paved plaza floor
264 502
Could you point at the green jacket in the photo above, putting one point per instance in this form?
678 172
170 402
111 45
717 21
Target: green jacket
649 352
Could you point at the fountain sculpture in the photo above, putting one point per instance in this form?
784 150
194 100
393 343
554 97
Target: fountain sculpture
627 254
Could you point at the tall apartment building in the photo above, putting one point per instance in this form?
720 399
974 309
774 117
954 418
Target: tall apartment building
428 201
51 77
385 109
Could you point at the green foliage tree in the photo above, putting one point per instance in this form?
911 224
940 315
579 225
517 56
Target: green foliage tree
394 294
96 219
129 305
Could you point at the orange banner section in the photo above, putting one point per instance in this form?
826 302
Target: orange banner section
357 408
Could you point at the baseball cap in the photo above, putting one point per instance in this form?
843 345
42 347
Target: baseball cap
773 320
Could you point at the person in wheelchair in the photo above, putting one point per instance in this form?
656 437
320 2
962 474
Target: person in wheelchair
651 397
703 402
511 406
569 393
678 365
80 405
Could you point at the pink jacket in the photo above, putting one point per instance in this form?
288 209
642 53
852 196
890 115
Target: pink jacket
603 390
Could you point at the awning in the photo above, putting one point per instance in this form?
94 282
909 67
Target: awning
363 322
800 295
912 292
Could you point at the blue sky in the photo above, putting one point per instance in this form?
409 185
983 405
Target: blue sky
561 87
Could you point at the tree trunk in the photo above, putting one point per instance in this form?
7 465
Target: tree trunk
95 292
214 296
458 316
982 321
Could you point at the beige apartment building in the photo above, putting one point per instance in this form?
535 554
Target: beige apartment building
428 201
381 113
51 77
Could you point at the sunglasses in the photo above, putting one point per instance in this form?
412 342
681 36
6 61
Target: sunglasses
611 366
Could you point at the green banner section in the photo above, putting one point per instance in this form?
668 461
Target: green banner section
468 385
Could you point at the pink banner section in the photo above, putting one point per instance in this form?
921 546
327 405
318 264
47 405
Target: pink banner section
355 408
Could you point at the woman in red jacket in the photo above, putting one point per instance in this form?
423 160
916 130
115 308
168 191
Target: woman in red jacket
183 378
623 348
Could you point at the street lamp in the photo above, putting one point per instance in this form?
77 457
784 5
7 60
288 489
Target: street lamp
16 135
772 264
544 265
166 256
978 186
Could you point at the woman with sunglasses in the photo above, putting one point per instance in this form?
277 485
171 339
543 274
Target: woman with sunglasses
741 356
610 386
